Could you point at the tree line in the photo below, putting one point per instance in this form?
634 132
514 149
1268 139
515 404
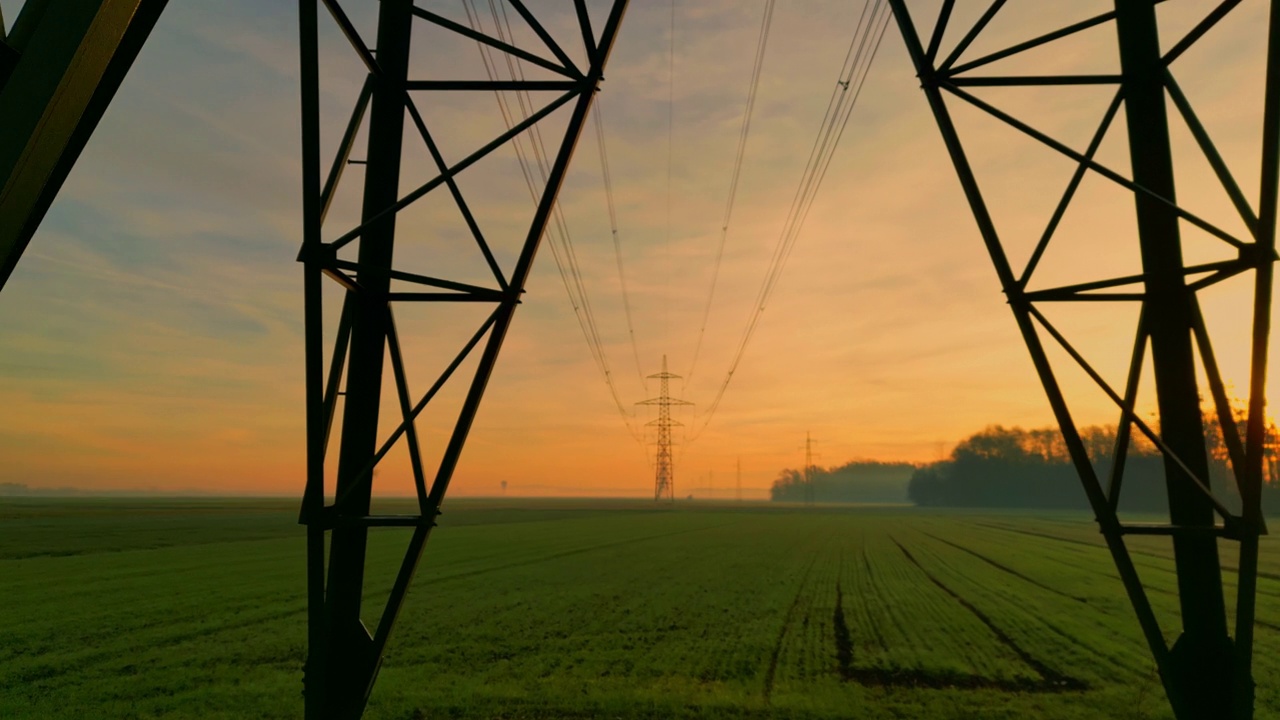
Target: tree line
1001 467
860 481
1017 468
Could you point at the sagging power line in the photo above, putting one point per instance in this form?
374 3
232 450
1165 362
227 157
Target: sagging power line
862 50
607 176
762 43
559 239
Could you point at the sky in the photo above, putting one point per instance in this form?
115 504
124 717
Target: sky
151 336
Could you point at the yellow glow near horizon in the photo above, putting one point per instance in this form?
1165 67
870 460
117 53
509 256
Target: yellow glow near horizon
152 334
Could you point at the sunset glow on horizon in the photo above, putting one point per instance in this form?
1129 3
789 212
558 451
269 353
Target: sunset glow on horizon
151 337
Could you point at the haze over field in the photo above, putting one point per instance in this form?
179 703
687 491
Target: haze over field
151 336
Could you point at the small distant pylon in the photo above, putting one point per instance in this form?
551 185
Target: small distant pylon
664 475
809 495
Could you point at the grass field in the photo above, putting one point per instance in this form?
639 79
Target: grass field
576 609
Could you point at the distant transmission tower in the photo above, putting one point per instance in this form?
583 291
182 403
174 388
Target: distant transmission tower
808 469
664 477
809 495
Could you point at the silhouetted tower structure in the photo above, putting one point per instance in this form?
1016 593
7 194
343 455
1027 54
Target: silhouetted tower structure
664 477
1206 672
809 495
365 265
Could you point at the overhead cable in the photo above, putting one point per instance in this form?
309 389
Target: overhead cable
671 135
862 50
762 42
559 239
598 115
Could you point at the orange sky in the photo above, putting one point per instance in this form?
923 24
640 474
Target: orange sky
151 336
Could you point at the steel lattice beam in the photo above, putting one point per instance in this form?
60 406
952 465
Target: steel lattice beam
59 70
344 656
1206 672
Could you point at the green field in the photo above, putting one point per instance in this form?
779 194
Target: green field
575 609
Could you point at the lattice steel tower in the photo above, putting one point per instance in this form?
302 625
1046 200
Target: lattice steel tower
808 469
664 477
1206 672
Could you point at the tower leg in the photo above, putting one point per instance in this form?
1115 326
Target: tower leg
343 654
351 663
1201 657
1205 674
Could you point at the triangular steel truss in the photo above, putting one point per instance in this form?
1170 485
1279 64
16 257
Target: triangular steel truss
344 656
1206 673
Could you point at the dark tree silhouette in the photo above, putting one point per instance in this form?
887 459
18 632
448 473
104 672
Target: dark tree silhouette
1016 468
854 482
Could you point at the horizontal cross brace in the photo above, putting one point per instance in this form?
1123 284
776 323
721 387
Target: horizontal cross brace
491 42
423 280
1231 531
331 521
1083 291
1035 42
490 296
1021 80
491 85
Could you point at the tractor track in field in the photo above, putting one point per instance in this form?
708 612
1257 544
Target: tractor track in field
1052 680
1000 566
772 671
871 583
1132 551
844 642
1147 588
1047 536
914 678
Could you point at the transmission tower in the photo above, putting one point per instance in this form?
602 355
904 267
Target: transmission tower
809 494
343 654
664 475
1206 672
808 469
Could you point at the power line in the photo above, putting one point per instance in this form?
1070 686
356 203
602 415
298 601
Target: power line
761 43
598 114
671 144
866 54
862 50
567 266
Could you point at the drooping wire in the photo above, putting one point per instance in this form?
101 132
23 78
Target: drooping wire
863 47
867 49
762 42
559 239
671 135
598 114
566 241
